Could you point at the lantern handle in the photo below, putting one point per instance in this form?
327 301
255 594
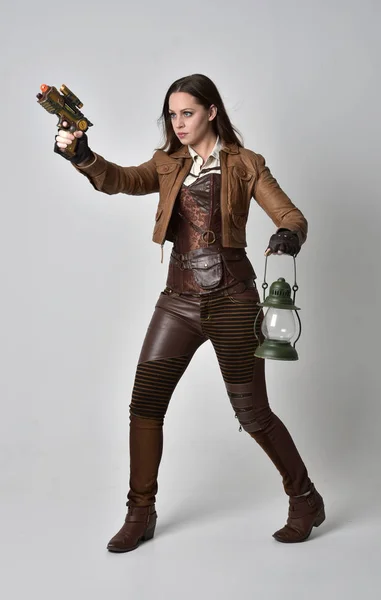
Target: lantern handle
295 287
265 285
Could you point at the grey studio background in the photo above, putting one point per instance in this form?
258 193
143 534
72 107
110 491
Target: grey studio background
80 278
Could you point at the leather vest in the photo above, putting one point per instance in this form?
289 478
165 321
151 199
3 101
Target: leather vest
199 264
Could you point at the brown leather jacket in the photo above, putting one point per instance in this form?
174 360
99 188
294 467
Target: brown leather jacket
244 175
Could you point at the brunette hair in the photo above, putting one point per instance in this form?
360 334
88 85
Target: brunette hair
204 90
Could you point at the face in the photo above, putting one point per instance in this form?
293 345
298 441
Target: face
191 121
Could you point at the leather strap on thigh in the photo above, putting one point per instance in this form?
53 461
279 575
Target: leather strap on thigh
241 398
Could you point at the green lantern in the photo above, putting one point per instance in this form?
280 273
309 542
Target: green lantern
279 323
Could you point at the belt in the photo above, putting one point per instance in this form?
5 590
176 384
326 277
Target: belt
186 260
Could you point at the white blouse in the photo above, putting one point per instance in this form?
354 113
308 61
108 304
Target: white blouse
211 165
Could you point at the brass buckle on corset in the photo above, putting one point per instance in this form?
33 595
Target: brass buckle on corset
205 236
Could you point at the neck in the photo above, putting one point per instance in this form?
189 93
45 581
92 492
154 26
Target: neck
205 146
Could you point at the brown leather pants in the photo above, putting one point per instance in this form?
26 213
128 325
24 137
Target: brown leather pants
178 327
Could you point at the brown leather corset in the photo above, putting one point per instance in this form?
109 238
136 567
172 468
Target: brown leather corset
199 264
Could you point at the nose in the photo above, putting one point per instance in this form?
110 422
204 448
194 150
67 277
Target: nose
179 122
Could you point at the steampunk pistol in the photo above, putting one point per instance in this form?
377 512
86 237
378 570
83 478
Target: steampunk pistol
66 106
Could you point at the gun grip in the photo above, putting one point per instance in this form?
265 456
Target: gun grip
70 150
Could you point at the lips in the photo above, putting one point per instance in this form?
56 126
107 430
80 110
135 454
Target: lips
182 134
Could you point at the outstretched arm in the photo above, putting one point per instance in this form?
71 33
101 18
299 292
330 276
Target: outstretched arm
106 176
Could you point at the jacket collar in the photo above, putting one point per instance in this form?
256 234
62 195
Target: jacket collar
183 152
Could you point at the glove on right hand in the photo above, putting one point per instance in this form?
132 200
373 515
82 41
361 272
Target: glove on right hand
82 151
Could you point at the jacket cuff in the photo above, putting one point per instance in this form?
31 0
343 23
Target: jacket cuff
94 168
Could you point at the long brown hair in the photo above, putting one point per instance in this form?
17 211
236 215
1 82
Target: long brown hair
204 90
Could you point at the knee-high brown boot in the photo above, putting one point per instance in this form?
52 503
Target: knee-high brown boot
146 445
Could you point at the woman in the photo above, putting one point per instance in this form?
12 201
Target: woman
206 179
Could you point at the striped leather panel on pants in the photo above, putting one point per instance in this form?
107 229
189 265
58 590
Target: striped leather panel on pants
154 385
229 324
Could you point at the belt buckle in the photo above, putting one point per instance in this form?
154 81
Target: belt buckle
207 233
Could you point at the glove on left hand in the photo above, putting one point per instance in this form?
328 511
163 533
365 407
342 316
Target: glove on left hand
284 241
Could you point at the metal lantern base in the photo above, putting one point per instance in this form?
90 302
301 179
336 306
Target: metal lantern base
276 350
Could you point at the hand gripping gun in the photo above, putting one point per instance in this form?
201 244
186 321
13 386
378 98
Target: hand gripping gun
66 105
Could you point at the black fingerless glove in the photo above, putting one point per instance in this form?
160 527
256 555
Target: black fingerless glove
82 151
285 241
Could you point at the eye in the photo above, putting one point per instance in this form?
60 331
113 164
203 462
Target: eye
187 113
171 115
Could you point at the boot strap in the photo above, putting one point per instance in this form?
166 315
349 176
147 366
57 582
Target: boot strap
139 514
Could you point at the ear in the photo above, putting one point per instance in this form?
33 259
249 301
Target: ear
212 112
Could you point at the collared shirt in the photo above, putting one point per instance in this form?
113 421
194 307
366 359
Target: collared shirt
211 165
